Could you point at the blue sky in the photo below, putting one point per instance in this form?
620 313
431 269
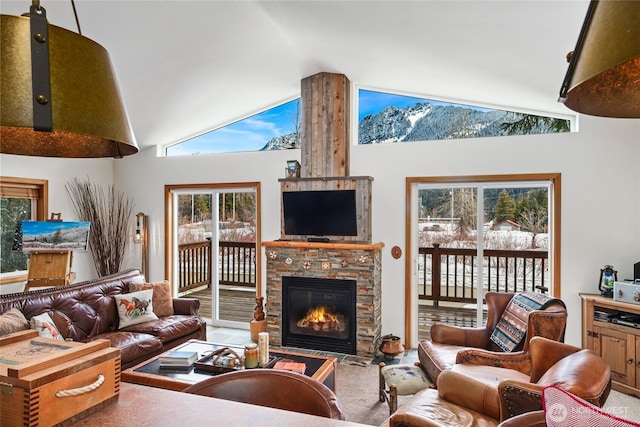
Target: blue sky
45 227
252 133
373 102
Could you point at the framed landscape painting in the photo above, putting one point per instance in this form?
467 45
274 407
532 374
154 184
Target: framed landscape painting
51 235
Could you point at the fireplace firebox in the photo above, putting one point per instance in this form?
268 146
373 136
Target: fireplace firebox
319 314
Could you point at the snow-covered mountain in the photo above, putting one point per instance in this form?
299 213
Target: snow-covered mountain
427 122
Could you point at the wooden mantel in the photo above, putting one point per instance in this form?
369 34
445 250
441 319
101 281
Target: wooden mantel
324 245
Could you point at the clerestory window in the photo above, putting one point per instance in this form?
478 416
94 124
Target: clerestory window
277 128
383 117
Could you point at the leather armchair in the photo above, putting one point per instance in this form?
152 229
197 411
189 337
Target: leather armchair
273 388
491 393
482 384
439 354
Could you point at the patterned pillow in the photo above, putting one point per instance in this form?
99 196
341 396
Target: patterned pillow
563 409
408 379
13 321
135 307
45 327
162 299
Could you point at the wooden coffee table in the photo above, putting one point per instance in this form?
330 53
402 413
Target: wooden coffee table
321 368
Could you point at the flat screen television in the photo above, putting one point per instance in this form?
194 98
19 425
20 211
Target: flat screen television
320 213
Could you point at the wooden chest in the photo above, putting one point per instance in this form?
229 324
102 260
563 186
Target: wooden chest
45 382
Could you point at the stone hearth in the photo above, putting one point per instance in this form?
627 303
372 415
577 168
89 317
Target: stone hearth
359 262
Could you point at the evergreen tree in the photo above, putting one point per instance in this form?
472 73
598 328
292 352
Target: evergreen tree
526 124
14 210
505 207
201 205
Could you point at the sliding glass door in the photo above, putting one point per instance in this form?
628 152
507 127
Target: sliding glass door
214 259
475 237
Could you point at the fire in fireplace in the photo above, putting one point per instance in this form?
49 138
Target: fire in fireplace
322 319
319 314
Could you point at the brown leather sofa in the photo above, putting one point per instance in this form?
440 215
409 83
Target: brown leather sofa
439 354
86 311
273 388
489 394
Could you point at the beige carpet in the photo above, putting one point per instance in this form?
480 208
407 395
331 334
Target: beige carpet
357 390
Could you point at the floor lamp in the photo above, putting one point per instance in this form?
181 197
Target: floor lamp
142 238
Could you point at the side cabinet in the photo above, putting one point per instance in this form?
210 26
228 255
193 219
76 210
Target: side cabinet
612 329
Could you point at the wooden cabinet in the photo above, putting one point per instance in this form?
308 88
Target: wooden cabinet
46 382
609 329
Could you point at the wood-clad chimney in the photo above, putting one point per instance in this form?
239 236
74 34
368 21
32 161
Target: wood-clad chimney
325 126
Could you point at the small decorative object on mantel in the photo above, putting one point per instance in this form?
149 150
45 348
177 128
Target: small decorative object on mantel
259 323
293 169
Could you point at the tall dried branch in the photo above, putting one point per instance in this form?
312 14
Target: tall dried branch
109 213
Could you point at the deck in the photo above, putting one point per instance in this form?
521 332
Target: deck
238 304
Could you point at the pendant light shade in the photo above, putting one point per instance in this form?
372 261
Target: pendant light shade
603 78
58 93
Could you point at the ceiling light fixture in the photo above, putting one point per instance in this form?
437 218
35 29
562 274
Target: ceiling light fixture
603 78
58 92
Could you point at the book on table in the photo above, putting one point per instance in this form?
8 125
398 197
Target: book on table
287 365
177 358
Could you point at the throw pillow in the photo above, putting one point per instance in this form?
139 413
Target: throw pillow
135 307
162 299
13 321
45 326
563 409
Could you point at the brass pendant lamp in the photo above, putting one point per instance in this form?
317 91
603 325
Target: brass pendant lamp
603 78
58 93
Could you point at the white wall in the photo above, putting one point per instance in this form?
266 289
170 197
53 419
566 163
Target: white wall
59 172
600 195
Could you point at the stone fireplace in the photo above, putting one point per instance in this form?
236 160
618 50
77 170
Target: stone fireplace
325 166
331 262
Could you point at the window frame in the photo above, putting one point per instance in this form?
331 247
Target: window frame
411 190
355 110
25 187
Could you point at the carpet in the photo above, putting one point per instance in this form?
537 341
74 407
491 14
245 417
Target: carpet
357 391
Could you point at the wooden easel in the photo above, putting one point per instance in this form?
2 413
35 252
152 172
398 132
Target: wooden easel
50 268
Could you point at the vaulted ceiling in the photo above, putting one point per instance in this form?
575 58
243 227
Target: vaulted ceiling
185 67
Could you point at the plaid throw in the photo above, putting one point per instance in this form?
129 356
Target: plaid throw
512 326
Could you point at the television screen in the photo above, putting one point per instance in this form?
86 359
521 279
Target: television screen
320 213
51 235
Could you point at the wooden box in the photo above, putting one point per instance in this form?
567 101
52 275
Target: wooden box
46 382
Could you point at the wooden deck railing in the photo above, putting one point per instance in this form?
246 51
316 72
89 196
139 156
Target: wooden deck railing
237 264
448 274
445 274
